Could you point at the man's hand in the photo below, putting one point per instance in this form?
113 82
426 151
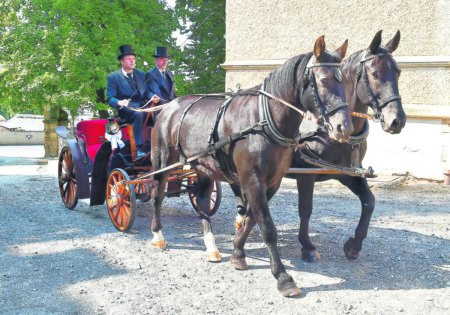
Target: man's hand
155 99
123 103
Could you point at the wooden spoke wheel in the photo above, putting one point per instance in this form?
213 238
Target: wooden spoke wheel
215 199
67 180
120 200
143 191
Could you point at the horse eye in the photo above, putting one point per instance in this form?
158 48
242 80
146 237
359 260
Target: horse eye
375 74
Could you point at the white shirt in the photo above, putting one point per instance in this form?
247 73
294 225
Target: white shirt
126 74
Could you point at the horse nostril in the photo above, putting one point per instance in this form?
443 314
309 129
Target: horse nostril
395 124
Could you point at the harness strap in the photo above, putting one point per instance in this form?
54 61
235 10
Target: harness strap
309 80
268 124
178 146
312 159
215 144
376 106
361 136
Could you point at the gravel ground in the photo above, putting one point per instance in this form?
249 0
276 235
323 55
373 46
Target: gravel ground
58 261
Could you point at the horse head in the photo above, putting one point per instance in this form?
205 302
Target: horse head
322 91
377 83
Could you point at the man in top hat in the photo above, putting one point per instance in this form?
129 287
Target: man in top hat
160 80
126 89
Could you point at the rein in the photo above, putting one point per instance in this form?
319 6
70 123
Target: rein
147 110
282 101
267 123
361 115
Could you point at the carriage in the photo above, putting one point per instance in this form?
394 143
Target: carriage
99 162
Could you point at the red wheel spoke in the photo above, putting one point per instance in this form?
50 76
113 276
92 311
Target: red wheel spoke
121 200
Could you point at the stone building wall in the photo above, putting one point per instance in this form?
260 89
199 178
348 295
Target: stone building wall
261 35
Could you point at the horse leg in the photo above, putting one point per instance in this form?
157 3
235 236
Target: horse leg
238 257
203 196
360 187
241 206
158 197
305 187
258 203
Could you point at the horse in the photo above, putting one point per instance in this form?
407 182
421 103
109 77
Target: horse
247 138
371 81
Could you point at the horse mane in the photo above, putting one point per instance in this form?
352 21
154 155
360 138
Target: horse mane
350 60
283 81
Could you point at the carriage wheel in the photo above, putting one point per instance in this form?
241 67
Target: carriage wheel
67 180
120 200
143 191
216 195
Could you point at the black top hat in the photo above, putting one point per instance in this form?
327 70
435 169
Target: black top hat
125 50
161 52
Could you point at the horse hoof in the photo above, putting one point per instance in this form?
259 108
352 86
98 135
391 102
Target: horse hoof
291 291
310 255
239 263
352 254
214 256
349 249
159 244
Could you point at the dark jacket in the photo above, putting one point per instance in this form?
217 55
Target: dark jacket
164 88
118 88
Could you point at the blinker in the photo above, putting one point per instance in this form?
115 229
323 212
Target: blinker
338 74
397 67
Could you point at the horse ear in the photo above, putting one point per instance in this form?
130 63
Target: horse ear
341 51
319 46
393 43
376 42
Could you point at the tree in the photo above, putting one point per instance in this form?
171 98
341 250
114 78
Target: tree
203 22
59 52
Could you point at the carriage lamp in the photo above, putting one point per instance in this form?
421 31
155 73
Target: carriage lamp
112 127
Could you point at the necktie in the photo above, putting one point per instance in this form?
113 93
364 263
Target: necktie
163 74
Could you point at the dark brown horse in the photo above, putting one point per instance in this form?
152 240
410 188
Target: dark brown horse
248 139
371 80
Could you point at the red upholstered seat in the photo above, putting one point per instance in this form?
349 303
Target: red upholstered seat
93 134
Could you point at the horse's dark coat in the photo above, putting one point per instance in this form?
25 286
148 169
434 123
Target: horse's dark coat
383 76
257 163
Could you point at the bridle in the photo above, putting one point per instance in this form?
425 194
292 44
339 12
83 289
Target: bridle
375 104
310 80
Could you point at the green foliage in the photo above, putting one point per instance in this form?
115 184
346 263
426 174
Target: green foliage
58 53
203 21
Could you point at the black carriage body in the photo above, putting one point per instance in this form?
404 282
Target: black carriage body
93 158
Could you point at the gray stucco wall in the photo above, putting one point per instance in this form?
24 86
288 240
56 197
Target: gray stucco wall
262 34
